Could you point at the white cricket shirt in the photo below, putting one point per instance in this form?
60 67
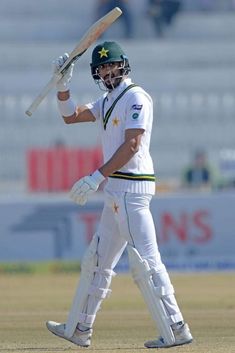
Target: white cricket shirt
133 110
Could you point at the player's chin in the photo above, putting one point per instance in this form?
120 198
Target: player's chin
111 84
108 86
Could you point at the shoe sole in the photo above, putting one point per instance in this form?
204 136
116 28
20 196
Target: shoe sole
67 339
173 345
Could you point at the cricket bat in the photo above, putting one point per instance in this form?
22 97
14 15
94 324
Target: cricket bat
92 34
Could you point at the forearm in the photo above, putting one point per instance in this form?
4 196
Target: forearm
70 112
66 106
122 156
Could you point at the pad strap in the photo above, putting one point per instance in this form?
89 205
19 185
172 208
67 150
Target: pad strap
86 319
99 292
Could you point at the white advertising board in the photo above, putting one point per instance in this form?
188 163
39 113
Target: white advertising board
194 231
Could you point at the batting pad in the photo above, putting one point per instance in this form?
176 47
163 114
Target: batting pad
87 273
89 295
142 275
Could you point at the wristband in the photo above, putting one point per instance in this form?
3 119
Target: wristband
98 176
66 108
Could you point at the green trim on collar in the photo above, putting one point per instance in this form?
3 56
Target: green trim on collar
109 111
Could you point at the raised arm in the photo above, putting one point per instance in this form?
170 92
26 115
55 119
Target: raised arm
81 112
67 108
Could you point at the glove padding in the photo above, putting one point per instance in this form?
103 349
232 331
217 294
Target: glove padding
85 187
63 84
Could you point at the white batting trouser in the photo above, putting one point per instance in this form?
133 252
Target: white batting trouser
126 219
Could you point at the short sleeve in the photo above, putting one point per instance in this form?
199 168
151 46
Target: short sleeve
138 111
95 108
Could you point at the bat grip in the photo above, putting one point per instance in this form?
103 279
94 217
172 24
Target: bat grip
64 69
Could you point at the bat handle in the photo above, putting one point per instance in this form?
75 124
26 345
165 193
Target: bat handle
43 94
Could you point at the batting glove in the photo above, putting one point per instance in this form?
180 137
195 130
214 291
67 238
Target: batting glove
85 187
63 84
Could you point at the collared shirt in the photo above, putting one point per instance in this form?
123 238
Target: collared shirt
133 110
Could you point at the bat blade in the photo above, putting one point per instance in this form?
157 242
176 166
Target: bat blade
92 34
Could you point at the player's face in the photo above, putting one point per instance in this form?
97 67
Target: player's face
110 74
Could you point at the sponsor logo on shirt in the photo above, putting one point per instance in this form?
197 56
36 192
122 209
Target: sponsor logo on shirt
137 106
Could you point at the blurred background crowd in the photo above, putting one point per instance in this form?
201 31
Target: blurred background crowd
183 54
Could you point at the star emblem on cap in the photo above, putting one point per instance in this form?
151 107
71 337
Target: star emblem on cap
103 52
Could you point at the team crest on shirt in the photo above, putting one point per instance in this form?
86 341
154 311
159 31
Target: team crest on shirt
135 116
137 106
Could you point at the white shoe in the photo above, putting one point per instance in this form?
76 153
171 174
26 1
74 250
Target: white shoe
182 336
80 338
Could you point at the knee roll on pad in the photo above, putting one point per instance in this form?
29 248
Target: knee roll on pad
153 295
86 288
